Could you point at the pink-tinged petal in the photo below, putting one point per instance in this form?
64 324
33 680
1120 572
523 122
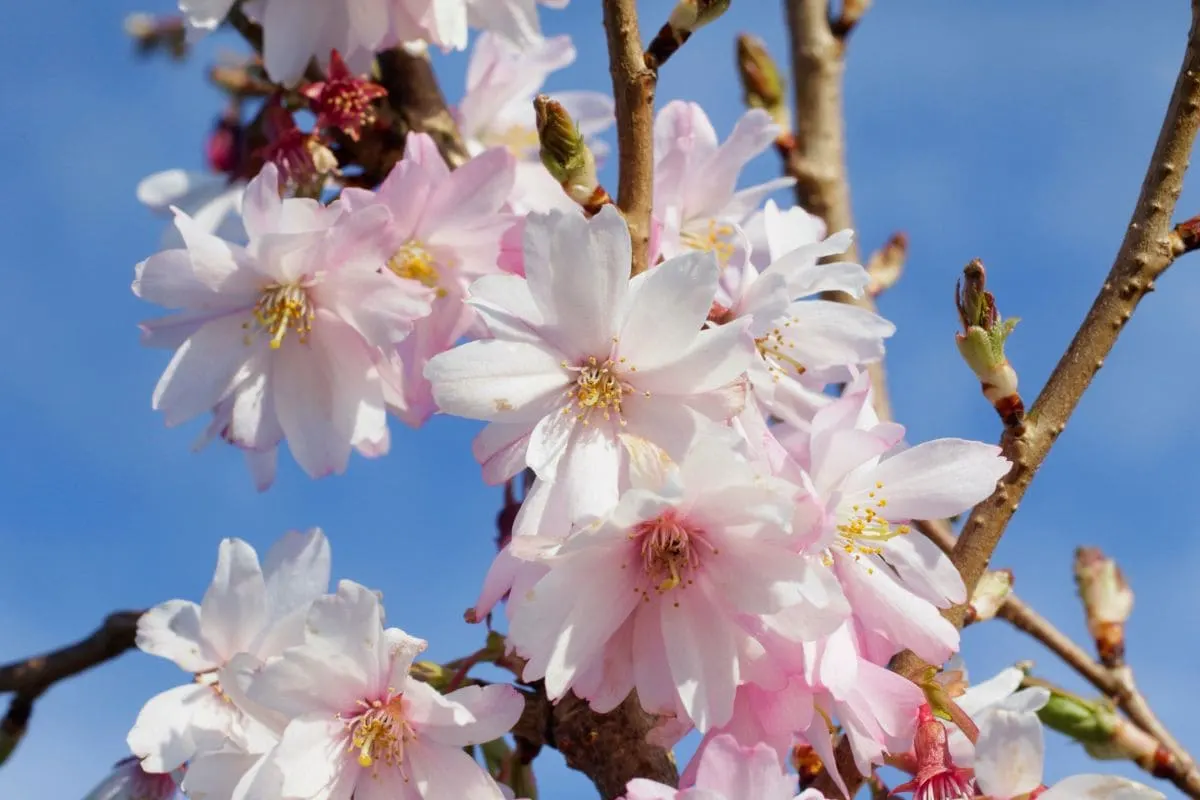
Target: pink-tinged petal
497 380
744 772
498 582
262 206
758 577
213 774
987 693
712 189
382 308
169 333
216 263
838 454
651 668
172 631
203 371
162 734
748 200
234 609
296 569
934 479
252 421
702 653
563 623
667 305
290 35
507 307
925 570
818 735
471 715
313 757
589 473
1010 754
825 607
171 279
822 334
805 276
608 681
669 426
399 651
886 608
1099 787
500 450
645 789
593 112
262 467
684 127
716 358
785 231
287 257
442 773
471 193
578 273
422 151
388 783
405 191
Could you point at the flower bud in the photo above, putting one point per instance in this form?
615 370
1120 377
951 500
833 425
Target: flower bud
689 16
566 156
1108 601
762 82
1087 722
343 100
990 593
982 343
937 775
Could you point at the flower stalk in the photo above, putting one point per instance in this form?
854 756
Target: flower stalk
981 344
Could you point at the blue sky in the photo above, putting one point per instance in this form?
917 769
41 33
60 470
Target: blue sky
1015 134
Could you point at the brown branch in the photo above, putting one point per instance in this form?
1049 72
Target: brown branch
633 90
416 98
816 155
29 678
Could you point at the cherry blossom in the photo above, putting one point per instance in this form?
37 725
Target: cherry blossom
248 608
583 359
729 771
515 20
444 231
938 776
695 180
651 596
1011 753
358 724
290 328
497 111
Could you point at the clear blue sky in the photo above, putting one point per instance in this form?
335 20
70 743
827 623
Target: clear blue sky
1017 134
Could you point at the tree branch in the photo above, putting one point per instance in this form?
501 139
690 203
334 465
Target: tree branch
817 156
416 98
29 678
633 90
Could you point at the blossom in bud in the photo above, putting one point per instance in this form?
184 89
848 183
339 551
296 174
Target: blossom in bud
762 82
1107 599
247 609
729 771
564 151
302 160
938 777
343 100
982 343
1085 721
990 593
689 16
128 781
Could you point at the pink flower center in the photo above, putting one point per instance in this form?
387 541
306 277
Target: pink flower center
415 263
672 552
380 733
598 388
282 308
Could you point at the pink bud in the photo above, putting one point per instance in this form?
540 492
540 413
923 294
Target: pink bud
937 776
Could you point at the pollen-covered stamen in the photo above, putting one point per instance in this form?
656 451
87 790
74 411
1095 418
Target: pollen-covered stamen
671 552
380 733
716 237
414 262
867 528
517 139
282 308
774 347
599 387
212 681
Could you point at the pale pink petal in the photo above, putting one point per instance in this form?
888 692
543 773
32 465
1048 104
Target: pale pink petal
934 479
500 449
473 191
823 334
507 307
702 653
291 32
235 606
1010 754
171 630
447 773
296 569
203 371
313 759
715 358
645 789
925 570
262 206
744 772
651 668
1099 787
666 308
608 681
471 715
754 133
497 380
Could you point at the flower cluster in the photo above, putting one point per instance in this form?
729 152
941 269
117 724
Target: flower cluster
297 693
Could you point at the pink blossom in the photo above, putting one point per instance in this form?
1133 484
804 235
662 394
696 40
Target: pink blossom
444 232
695 180
497 111
247 609
289 329
360 725
652 595
729 771
515 20
583 360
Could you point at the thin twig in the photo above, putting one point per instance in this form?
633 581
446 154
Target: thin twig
28 678
633 90
816 157
416 98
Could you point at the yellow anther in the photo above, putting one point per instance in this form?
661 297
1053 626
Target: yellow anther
414 262
282 309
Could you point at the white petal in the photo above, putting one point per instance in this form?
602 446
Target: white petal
313 756
716 358
162 735
497 380
203 371
171 630
1099 787
667 306
297 569
925 570
702 653
471 715
1010 753
234 609
446 773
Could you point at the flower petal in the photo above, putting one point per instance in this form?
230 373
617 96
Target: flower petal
1010 754
171 630
234 609
497 381
471 715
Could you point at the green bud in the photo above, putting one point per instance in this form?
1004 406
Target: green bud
564 152
984 332
762 83
1087 722
689 16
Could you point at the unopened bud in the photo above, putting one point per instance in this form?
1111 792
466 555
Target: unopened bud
566 156
762 82
982 343
886 264
1088 722
807 764
937 775
1107 599
689 16
432 673
990 593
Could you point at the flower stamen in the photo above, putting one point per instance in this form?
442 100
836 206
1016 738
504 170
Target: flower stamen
715 239
282 308
671 552
866 529
598 387
380 733
414 262
772 347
